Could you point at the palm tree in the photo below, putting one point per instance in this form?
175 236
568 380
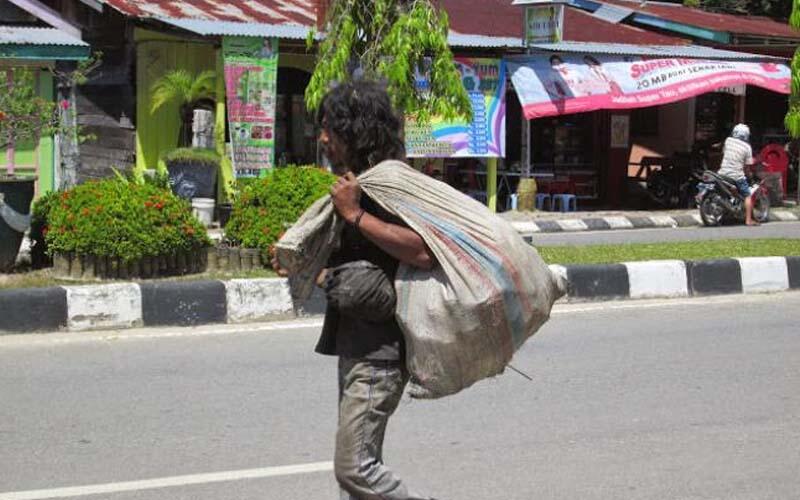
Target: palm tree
187 90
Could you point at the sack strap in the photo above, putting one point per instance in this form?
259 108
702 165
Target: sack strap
15 220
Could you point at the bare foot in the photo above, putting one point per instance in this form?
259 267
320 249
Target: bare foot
753 223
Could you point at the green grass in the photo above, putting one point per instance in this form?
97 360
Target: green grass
44 278
694 250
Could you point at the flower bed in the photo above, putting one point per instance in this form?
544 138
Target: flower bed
119 229
267 206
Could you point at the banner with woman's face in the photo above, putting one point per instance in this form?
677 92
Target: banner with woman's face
556 84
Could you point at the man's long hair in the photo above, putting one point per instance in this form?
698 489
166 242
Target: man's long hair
361 115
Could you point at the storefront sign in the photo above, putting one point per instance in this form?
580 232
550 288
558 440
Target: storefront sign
739 90
556 84
620 131
544 24
251 70
485 82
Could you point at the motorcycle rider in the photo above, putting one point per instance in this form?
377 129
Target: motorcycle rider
737 154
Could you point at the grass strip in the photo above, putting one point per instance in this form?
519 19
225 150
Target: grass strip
44 278
689 250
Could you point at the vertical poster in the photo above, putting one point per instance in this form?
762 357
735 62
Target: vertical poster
485 83
251 71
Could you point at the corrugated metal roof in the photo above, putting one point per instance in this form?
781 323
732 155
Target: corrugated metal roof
463 40
499 18
209 27
690 51
14 35
749 25
270 12
612 13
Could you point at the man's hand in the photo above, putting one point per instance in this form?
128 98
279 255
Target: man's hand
346 197
277 267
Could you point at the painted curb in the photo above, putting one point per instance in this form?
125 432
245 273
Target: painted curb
33 310
529 228
188 303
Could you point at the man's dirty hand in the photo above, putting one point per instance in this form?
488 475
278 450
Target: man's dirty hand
346 197
277 267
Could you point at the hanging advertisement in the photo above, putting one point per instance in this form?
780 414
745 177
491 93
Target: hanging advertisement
484 136
553 84
251 71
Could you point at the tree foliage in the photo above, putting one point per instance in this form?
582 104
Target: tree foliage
388 40
792 119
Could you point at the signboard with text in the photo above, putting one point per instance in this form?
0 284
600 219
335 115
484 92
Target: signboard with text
544 23
484 136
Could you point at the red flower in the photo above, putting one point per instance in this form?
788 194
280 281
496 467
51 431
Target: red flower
64 104
2 116
159 205
148 204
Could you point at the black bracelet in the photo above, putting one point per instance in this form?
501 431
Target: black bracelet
357 220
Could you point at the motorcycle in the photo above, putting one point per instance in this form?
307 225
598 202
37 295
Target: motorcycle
719 199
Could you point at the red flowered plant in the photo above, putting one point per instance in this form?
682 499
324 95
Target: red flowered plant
266 207
122 219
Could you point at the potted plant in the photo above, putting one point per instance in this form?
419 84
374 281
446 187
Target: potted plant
24 118
192 172
188 91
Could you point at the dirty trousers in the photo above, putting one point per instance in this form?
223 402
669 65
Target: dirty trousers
369 392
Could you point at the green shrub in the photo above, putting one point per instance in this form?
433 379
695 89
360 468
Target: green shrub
40 222
192 155
115 218
267 206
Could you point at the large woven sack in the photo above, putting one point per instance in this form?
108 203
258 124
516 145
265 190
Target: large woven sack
464 319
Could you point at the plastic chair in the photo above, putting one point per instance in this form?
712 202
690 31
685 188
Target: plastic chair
565 202
541 198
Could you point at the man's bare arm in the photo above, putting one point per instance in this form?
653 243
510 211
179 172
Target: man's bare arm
400 242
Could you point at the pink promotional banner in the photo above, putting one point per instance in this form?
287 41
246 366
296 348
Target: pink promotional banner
554 84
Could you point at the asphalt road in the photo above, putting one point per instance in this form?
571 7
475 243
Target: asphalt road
682 399
608 237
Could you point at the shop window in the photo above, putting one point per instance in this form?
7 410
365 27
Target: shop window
644 122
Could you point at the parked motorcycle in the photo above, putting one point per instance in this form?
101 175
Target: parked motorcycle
719 199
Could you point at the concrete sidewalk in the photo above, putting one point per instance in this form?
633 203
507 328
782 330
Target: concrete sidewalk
188 303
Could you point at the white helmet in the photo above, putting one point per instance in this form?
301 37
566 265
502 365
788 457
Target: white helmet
741 132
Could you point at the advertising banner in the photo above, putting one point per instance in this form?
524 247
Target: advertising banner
251 71
485 81
555 84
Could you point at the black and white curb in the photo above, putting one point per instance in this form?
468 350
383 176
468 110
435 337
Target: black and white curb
189 303
677 278
625 222
130 305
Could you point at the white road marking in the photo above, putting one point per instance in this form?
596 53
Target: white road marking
167 482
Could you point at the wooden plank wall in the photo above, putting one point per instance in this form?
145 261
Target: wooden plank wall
107 103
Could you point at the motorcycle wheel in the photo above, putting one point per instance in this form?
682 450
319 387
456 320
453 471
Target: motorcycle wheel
761 207
711 210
